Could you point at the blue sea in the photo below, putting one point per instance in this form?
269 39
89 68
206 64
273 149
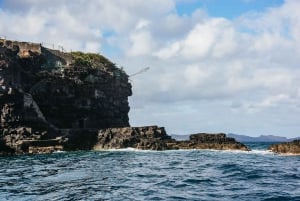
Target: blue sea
152 175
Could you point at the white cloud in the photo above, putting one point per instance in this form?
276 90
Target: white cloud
195 76
141 42
209 38
214 37
169 51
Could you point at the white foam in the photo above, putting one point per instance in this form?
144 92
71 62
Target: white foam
263 152
254 151
59 151
129 149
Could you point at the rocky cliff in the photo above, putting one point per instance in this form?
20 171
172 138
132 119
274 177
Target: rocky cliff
45 94
52 101
286 148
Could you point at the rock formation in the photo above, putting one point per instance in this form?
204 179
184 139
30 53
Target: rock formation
47 94
217 141
146 138
155 138
53 101
286 148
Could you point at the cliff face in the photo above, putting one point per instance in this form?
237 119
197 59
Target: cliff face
46 93
84 97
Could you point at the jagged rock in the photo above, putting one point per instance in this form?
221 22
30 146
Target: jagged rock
146 138
286 148
44 150
209 141
155 138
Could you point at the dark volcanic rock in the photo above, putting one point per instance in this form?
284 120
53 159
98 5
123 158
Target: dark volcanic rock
155 138
286 148
5 150
148 138
209 141
43 92
80 139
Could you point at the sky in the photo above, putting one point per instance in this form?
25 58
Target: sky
215 66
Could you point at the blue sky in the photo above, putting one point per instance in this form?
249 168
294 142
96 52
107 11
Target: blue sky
228 9
215 65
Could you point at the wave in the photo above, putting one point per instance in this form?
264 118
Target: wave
129 149
59 151
132 174
260 151
253 151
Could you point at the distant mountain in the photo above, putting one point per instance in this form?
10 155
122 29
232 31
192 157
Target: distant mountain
245 138
261 138
180 137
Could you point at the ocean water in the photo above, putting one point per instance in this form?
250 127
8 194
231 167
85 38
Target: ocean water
152 175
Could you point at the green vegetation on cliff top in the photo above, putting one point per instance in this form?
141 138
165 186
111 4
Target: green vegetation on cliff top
91 60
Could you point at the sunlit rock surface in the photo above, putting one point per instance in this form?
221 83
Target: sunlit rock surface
286 148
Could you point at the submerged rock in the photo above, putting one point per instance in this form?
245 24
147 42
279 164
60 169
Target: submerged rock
286 148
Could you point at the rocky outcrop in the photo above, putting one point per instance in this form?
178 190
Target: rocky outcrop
155 138
286 148
209 141
145 138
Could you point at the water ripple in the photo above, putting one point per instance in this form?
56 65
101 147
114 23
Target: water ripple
150 175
